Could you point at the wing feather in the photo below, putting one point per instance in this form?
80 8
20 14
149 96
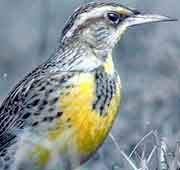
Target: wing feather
26 100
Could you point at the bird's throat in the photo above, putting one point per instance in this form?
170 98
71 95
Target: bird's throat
109 65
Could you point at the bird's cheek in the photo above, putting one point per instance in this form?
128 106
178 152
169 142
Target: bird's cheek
120 31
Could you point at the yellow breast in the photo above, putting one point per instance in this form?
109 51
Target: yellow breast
80 125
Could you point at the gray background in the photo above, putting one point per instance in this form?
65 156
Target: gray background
148 60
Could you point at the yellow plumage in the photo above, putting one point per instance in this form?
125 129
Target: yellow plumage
81 128
65 108
88 127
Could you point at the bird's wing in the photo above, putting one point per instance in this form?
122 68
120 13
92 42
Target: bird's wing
33 96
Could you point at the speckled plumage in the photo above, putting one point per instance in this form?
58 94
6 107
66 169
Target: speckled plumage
34 106
61 112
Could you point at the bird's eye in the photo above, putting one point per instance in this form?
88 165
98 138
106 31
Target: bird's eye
113 17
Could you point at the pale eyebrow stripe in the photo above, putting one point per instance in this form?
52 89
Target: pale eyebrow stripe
94 13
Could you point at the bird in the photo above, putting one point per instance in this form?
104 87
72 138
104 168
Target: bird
59 115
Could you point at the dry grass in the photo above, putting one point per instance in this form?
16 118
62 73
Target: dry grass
160 157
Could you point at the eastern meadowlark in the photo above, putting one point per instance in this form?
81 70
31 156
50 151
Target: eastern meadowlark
60 113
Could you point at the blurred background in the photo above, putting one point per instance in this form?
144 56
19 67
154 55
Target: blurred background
148 60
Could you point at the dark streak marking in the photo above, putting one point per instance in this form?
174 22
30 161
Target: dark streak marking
35 124
105 89
26 115
59 114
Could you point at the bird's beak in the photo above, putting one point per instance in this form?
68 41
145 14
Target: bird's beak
138 19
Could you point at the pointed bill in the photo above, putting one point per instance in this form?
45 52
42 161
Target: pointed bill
147 18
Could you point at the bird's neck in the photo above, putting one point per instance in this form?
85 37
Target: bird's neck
81 57
109 65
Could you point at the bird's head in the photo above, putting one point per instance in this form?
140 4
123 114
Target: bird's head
101 25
